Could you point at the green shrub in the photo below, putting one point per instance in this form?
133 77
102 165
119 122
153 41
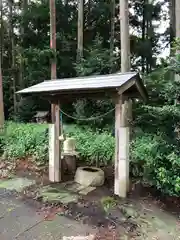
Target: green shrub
93 147
153 155
22 140
157 161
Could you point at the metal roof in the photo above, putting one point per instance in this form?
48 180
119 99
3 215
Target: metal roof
88 83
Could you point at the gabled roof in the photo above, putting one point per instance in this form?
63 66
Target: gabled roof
118 82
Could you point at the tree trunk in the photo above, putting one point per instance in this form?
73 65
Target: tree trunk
143 36
23 28
80 30
112 34
1 99
1 85
172 21
125 39
123 108
11 35
53 47
2 32
177 19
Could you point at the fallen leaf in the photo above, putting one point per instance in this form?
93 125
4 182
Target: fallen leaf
10 209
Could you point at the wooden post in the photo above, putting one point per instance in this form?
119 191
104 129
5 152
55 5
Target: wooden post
55 128
121 181
54 149
122 112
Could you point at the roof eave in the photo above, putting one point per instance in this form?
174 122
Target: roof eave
141 88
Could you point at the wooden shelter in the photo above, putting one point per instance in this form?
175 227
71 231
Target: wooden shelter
119 87
42 117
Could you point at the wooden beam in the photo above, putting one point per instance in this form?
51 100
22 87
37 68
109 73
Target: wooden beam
141 89
65 97
126 86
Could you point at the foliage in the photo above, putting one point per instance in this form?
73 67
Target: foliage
93 147
23 140
147 46
31 43
158 161
97 62
154 155
108 203
153 119
88 108
175 59
155 145
156 124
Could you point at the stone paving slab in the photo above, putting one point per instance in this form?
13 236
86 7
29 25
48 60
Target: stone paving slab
51 194
78 188
16 184
22 217
18 218
64 192
56 229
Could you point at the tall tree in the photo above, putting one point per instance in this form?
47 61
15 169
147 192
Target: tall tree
53 47
177 18
113 5
121 184
13 54
125 39
1 99
1 85
172 14
98 21
143 33
80 29
177 21
24 7
146 14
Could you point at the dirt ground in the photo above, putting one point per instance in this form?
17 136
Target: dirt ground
145 214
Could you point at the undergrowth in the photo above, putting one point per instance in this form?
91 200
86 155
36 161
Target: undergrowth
153 157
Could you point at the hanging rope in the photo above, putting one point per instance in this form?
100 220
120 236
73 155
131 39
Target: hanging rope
87 119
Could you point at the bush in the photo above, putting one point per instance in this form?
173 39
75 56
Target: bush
93 147
156 142
22 140
154 156
157 161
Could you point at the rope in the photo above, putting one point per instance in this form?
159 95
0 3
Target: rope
88 119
